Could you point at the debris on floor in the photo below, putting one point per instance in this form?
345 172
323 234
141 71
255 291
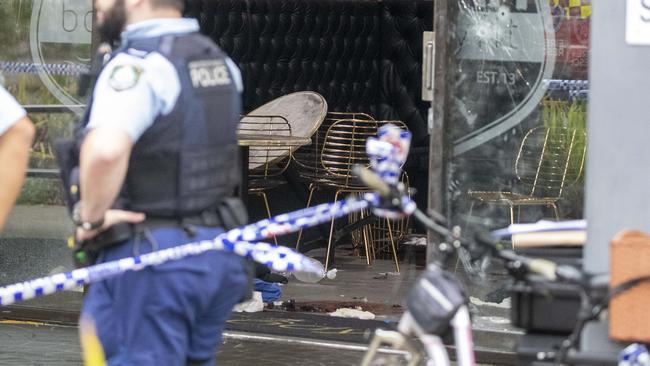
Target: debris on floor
327 307
384 275
416 240
353 313
478 302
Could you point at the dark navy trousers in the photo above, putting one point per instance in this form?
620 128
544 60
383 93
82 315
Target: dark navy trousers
172 314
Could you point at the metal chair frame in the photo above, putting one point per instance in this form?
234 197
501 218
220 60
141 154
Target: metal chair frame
342 147
273 160
544 168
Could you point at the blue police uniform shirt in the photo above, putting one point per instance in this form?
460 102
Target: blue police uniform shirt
135 87
10 111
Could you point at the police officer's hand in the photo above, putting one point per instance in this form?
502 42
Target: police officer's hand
111 217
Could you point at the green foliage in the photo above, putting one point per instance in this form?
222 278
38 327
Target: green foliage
572 116
41 191
15 23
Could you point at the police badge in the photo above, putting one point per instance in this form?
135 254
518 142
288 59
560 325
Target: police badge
124 77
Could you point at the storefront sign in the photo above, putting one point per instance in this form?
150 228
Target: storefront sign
637 23
505 50
60 32
65 21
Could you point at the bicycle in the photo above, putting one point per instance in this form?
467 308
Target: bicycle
438 301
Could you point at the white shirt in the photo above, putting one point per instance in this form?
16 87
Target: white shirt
10 111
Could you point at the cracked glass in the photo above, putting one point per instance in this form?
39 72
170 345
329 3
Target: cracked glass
516 105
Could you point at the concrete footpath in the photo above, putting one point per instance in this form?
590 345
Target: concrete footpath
34 344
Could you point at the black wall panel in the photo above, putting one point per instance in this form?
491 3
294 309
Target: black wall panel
360 55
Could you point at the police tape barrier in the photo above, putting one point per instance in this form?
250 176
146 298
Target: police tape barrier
387 155
238 240
66 69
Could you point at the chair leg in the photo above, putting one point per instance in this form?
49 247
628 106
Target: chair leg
469 215
467 221
312 188
367 235
392 244
512 214
557 214
371 235
356 236
268 212
367 242
329 241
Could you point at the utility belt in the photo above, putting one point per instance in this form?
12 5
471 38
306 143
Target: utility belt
229 214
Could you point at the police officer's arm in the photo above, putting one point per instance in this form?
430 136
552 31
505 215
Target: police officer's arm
14 156
129 95
16 134
104 160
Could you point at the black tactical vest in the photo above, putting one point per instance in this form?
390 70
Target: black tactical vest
187 162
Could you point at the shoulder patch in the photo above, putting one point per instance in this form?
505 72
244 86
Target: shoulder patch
124 77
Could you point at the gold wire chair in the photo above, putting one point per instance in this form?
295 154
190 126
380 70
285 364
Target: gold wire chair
266 162
548 160
307 159
342 147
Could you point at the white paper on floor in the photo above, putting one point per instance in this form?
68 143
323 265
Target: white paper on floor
353 313
253 305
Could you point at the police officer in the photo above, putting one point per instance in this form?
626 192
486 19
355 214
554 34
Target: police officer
158 157
16 134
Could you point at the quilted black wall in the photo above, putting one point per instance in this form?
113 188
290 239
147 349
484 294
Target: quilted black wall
360 55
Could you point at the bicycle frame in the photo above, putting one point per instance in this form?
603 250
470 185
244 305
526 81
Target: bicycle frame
433 346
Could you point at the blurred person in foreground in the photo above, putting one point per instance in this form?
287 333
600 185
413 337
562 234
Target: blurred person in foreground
16 135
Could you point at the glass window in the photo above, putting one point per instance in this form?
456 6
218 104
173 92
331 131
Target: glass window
45 47
516 106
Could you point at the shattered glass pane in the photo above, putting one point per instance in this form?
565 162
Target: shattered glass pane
516 105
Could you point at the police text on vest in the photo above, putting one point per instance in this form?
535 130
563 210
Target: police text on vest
208 73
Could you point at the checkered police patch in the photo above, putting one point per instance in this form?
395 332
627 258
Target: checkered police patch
124 77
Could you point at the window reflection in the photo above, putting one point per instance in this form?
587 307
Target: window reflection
518 110
45 47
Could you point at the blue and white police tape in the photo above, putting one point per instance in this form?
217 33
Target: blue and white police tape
388 152
387 155
237 240
301 219
634 355
66 69
278 258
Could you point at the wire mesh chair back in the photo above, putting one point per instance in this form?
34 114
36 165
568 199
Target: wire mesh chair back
549 159
266 160
344 147
307 159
